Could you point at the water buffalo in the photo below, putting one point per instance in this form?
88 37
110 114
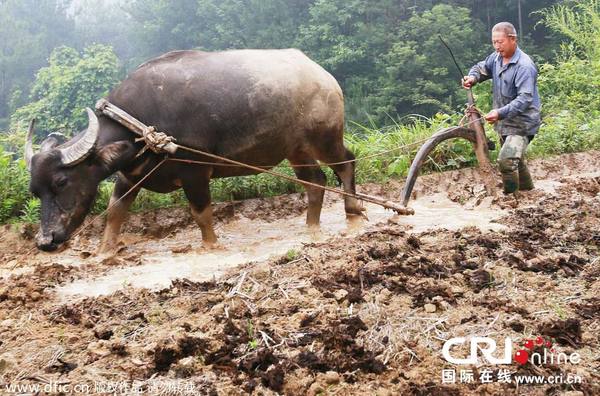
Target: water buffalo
255 106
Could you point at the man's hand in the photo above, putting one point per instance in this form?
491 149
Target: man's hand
468 82
492 117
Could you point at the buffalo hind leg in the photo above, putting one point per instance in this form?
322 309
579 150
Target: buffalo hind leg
117 214
312 174
346 174
198 194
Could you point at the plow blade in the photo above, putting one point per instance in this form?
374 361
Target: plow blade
432 143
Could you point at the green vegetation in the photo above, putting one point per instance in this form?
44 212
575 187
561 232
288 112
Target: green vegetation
571 87
64 88
292 255
386 55
15 199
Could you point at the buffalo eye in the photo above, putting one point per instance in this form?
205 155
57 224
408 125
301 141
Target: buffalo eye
60 182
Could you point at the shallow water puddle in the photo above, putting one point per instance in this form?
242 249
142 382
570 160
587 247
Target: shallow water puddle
438 212
245 240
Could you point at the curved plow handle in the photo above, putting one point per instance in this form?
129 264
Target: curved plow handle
432 143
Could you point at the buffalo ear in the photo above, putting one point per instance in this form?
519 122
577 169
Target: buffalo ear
115 156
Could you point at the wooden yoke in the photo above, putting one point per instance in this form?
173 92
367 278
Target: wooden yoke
157 141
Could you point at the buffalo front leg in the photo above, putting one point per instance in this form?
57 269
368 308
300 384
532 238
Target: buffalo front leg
120 201
198 194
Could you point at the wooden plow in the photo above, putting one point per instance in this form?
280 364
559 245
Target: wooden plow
475 135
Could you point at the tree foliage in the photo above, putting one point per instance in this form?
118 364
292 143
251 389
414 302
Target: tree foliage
579 21
417 74
385 53
29 31
66 86
158 26
229 24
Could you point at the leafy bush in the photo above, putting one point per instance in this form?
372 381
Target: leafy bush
63 89
14 185
579 22
368 142
571 88
417 74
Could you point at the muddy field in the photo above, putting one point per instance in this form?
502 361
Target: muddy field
361 308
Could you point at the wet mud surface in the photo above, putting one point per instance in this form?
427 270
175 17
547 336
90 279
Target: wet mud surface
356 308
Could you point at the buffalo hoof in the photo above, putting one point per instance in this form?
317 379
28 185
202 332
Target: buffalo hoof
313 225
48 247
357 216
212 245
355 222
46 241
355 209
107 250
55 247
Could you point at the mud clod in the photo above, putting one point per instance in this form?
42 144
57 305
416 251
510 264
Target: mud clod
261 360
413 242
588 308
103 333
432 389
169 351
382 251
67 314
517 326
274 378
423 293
481 279
565 332
61 366
354 296
164 356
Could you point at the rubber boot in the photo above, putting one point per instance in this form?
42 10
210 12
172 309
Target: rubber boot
510 174
510 181
525 180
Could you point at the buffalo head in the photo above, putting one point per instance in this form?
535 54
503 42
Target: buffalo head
65 177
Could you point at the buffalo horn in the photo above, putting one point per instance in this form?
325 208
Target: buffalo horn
29 145
72 154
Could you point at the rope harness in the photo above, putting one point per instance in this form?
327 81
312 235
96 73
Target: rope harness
161 143
155 141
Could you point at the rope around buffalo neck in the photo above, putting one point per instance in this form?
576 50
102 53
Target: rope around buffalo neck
155 141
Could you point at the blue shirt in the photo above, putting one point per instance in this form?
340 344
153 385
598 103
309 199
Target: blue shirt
515 92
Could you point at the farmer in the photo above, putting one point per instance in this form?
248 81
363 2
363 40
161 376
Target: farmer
516 113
